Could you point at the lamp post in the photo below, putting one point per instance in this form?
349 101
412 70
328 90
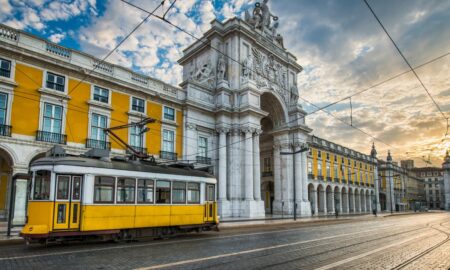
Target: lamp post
303 149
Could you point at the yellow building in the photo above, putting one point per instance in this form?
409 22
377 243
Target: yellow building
53 95
339 178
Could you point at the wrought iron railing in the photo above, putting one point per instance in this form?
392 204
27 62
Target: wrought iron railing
328 178
320 177
5 73
203 160
311 176
168 155
97 144
45 136
5 130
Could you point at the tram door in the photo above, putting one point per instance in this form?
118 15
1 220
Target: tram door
67 202
210 208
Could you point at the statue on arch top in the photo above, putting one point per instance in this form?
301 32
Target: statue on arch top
261 19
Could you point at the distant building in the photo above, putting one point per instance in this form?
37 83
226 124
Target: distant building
407 164
433 178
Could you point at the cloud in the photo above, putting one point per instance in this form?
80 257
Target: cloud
57 38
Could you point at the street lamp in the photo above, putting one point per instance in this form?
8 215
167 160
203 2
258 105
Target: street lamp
304 149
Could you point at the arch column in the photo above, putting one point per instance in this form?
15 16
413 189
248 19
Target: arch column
223 164
248 164
298 177
256 166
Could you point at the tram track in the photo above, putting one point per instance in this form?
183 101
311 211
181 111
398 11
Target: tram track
427 251
215 265
338 248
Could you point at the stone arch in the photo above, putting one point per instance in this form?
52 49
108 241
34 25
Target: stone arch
344 200
272 103
6 173
14 159
351 200
357 201
312 197
321 203
38 153
337 199
330 200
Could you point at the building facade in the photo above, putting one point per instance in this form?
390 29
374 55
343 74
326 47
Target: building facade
48 96
340 179
433 178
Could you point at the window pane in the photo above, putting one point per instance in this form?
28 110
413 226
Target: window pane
76 187
125 190
179 192
42 185
62 192
193 195
145 191
104 189
162 192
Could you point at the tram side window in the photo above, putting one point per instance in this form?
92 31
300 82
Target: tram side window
162 192
210 193
42 185
125 190
145 191
104 189
193 195
179 192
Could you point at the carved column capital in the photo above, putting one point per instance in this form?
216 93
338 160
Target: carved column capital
222 130
248 130
235 131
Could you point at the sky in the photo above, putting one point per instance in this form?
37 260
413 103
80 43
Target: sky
340 45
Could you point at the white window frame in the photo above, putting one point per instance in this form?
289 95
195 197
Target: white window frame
66 82
138 112
10 93
100 102
108 119
198 145
174 137
174 114
132 119
55 101
13 69
62 117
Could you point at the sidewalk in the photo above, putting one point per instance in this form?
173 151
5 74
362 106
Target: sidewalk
232 223
13 239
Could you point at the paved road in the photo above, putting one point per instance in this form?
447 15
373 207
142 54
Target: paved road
419 241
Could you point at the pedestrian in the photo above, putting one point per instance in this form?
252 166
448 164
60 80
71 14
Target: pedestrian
374 211
336 213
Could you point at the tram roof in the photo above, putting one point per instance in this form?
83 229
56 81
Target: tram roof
140 166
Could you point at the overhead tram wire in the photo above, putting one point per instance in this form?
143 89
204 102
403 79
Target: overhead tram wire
118 45
406 60
234 60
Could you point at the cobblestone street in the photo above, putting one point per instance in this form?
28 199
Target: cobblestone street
419 241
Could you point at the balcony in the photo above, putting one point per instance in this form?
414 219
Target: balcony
336 179
50 137
328 179
311 176
203 160
320 177
91 143
5 130
267 173
5 73
167 155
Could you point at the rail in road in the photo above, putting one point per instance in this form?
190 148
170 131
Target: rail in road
378 243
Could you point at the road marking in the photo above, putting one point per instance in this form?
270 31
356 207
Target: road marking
338 263
243 252
171 242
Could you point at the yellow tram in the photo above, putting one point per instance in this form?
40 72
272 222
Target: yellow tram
81 197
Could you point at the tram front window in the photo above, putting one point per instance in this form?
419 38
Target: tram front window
41 185
162 192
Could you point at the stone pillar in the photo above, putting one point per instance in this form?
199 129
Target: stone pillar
222 164
332 201
298 178
446 167
287 179
234 172
277 177
256 167
317 197
248 164
304 177
340 200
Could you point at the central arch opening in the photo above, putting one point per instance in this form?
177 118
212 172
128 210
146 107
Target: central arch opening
275 119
